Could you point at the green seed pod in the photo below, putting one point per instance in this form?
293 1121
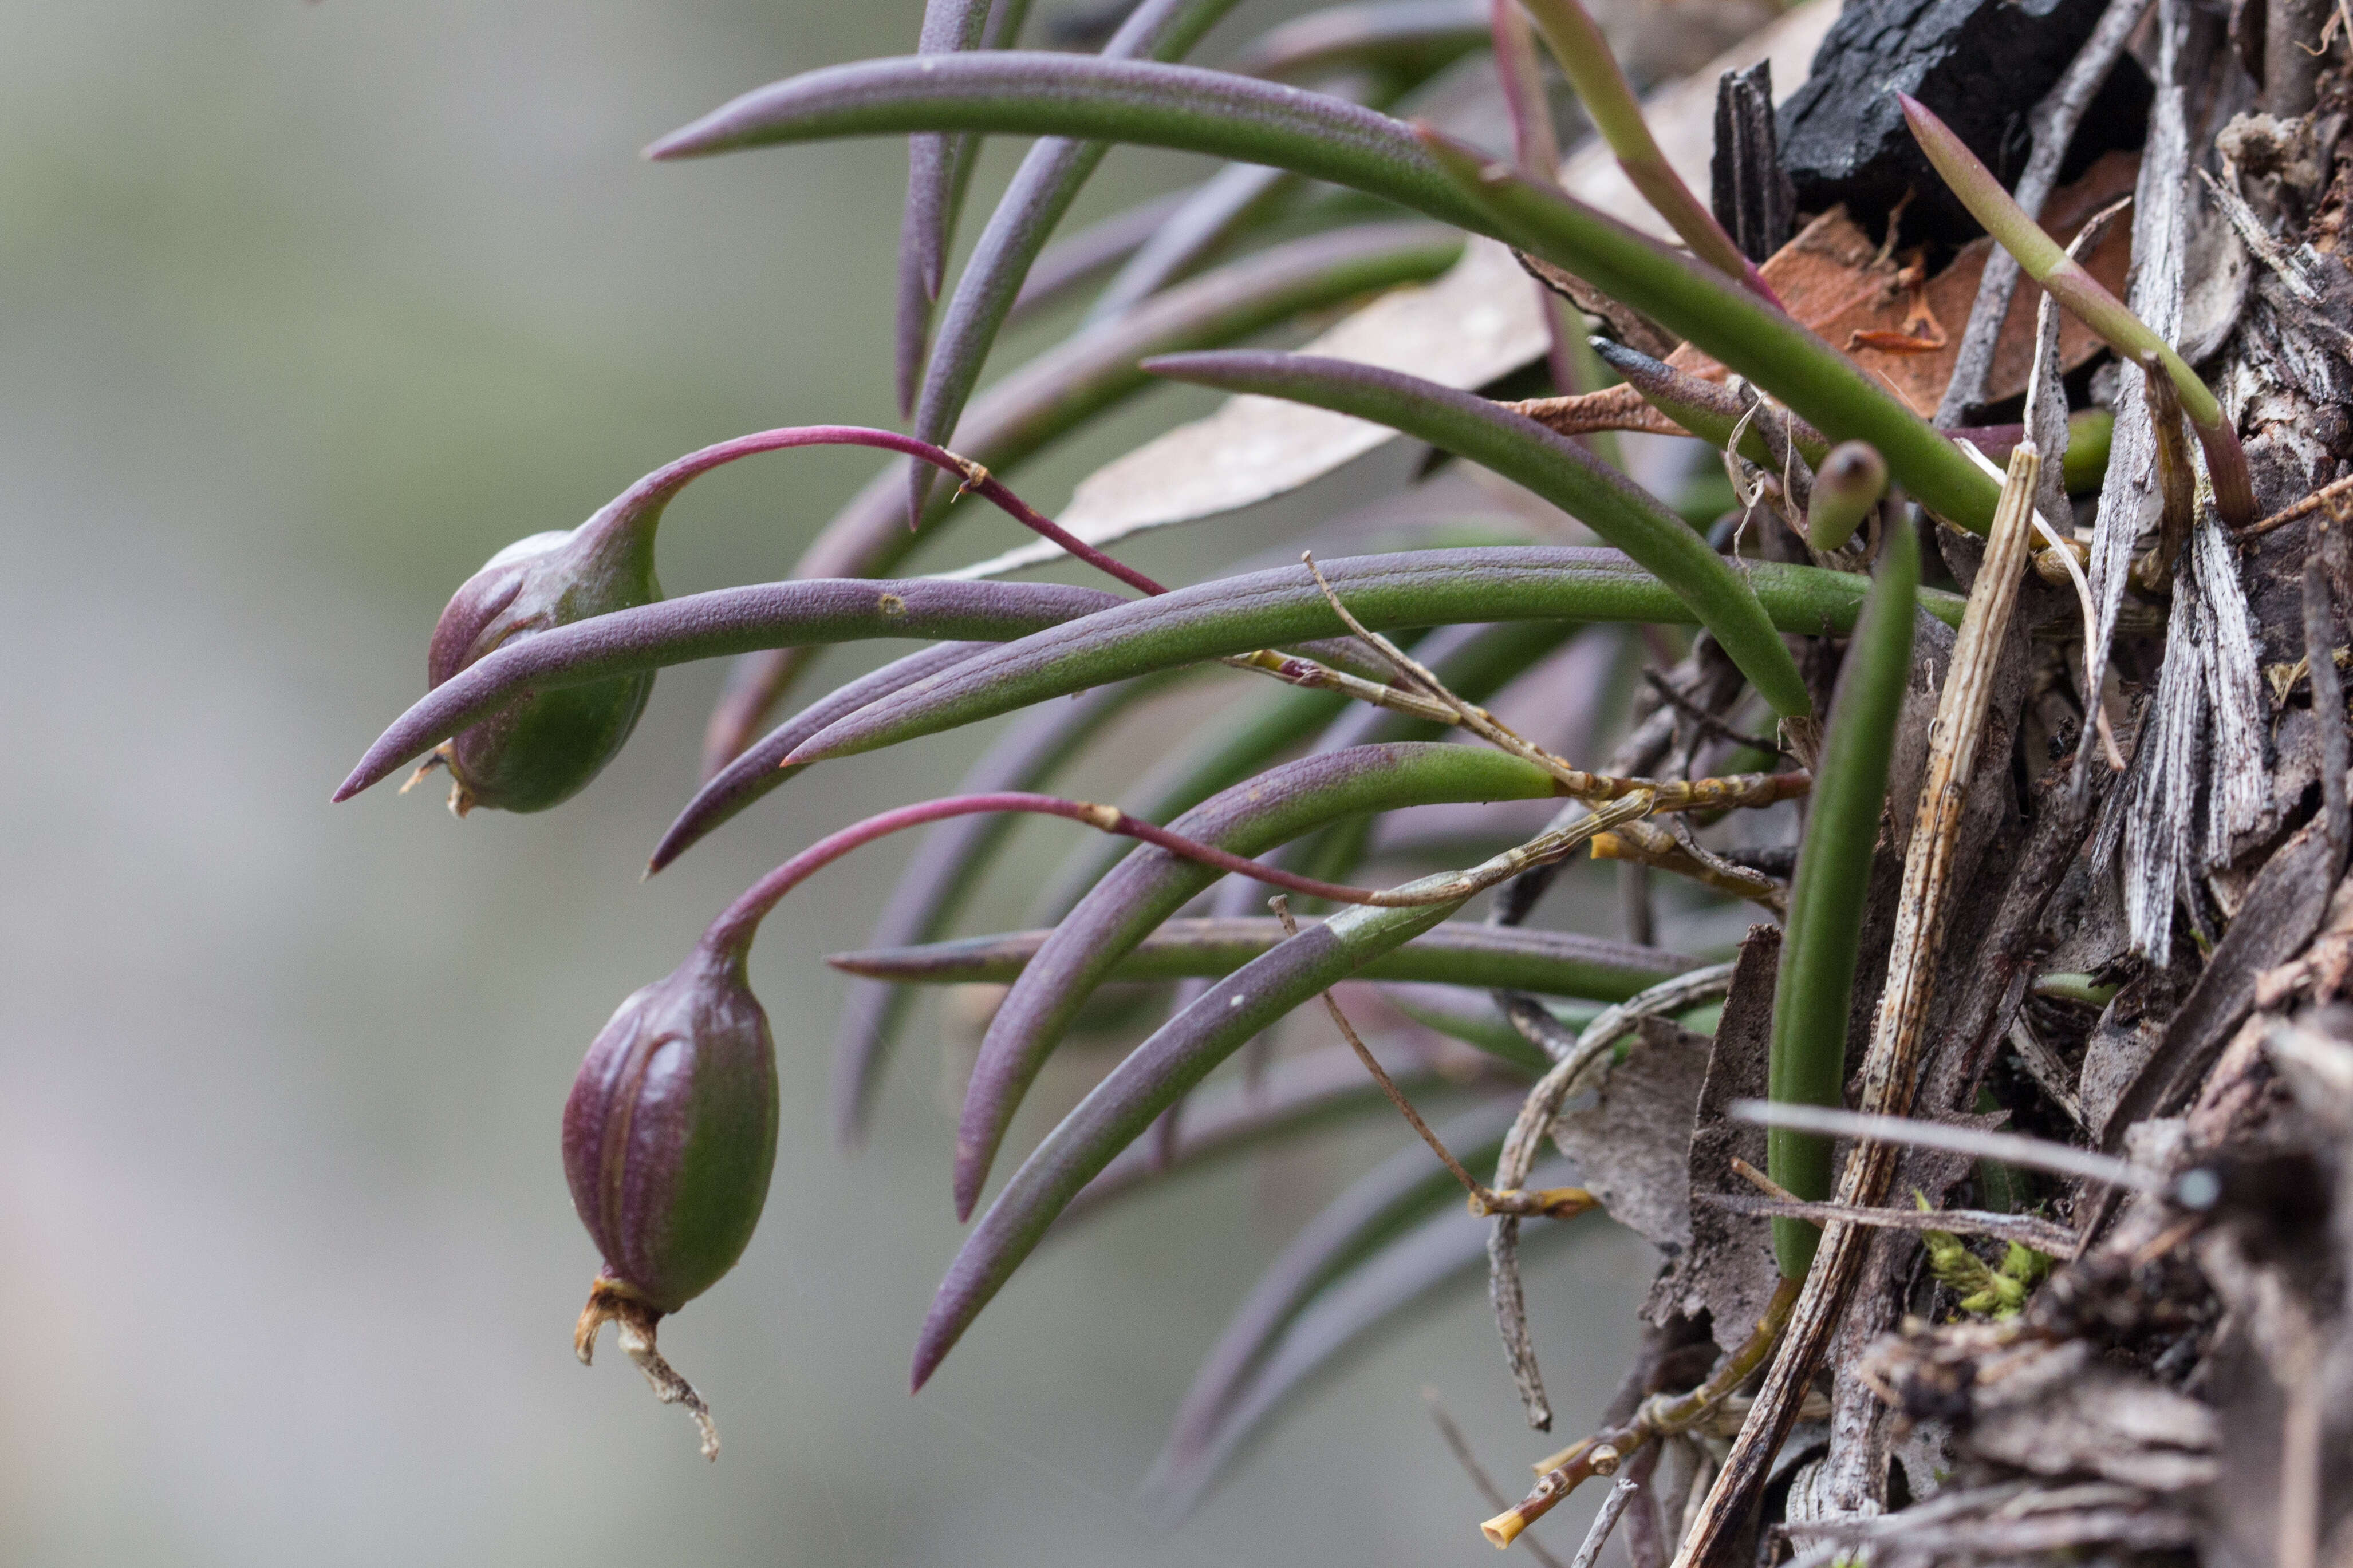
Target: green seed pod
669 1137
545 748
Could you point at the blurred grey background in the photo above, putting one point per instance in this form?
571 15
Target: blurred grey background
304 310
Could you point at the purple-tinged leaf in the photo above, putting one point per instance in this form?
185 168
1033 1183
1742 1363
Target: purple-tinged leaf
1095 252
1073 383
1252 734
1144 889
1157 1073
1399 1277
1474 661
1557 963
757 770
736 925
950 26
1145 102
1231 200
940 875
1370 55
1283 608
1048 181
1411 40
712 626
1370 1214
1295 1095
1246 742
1546 464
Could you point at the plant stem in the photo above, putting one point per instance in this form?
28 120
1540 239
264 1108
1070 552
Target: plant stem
740 920
1609 102
2068 282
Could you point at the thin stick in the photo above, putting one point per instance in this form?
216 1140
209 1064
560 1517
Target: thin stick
1606 1520
2043 1065
1661 1415
1695 794
1891 1066
1550 1203
2039 1234
1519 1155
1461 1445
1647 844
1706 720
1673 794
1763 1182
2326 496
1281 908
2008 1148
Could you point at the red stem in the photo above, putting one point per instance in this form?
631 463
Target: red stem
657 488
740 921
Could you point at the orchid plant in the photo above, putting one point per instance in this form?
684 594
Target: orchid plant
544 659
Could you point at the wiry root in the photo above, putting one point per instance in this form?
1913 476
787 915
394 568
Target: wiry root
608 1301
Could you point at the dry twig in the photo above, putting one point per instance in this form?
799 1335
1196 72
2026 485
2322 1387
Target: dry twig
1891 1066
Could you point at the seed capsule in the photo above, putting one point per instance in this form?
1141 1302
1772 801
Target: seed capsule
545 748
669 1137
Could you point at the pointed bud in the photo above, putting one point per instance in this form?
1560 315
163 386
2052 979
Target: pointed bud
545 748
669 1137
1851 481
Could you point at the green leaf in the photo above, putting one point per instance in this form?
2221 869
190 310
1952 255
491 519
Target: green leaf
1027 93
1822 386
1554 964
1814 989
1154 1076
1110 928
1551 466
1283 608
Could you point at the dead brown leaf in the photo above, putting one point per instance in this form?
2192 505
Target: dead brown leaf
1834 277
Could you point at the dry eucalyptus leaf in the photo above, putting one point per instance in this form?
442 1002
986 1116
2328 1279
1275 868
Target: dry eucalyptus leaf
1728 1271
1832 278
1631 1146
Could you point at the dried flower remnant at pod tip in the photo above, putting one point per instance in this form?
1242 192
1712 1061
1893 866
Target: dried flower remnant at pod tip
669 1137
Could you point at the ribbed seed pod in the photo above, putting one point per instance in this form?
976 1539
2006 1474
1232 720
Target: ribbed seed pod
669 1137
